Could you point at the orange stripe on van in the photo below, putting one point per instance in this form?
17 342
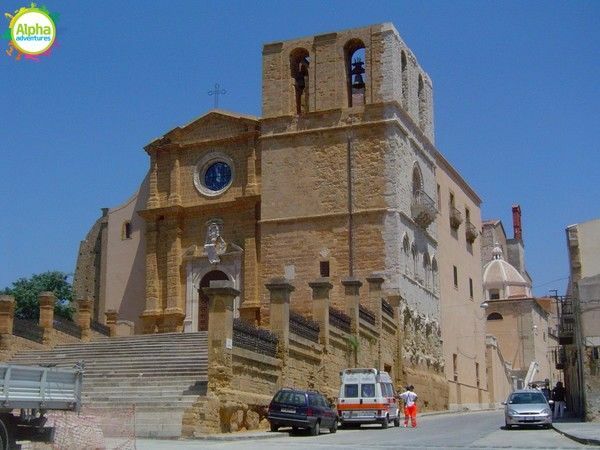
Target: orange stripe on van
363 406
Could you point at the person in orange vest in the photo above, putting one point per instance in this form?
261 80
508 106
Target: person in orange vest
410 407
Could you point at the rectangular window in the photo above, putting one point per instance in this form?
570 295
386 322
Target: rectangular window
439 198
467 215
494 294
451 202
324 269
367 390
351 390
455 269
477 373
471 287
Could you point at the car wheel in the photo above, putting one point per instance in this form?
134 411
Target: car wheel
316 429
333 429
397 422
274 427
385 422
294 430
507 426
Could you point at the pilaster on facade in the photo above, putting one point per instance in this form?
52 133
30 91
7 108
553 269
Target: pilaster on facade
175 183
153 310
153 198
175 310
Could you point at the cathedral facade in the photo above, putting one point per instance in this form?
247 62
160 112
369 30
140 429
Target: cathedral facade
339 178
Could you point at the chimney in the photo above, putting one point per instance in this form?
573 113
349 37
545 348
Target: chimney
517 230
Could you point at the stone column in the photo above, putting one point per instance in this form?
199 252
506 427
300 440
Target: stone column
320 307
375 295
173 315
280 290
153 199
221 295
7 314
153 311
174 188
111 321
84 315
396 302
47 301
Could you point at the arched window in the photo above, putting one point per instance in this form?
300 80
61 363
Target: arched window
434 274
495 316
422 103
404 80
405 251
427 269
299 62
355 55
415 258
417 180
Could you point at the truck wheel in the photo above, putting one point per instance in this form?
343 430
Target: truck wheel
385 422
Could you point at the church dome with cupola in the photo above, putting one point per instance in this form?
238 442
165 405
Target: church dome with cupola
502 280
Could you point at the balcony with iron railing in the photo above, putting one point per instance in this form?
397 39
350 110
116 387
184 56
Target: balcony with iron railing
565 333
455 217
423 209
471 232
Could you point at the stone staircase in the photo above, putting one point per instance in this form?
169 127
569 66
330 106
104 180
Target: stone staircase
149 380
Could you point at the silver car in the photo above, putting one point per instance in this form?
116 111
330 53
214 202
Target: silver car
527 407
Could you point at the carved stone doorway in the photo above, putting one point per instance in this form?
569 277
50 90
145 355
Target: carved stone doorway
214 275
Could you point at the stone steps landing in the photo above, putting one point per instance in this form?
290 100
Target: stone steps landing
142 383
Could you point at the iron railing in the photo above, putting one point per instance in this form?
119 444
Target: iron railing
366 315
304 327
99 327
254 339
339 320
423 208
386 308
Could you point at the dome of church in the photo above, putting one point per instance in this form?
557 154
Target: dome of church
502 280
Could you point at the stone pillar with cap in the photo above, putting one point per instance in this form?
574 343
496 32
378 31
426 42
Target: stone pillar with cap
280 290
221 295
7 314
84 315
320 307
111 321
47 301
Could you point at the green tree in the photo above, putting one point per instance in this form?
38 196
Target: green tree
26 291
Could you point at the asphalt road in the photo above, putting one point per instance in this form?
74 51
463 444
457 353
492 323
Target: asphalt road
475 430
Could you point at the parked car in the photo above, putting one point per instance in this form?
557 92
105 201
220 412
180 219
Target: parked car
527 407
301 409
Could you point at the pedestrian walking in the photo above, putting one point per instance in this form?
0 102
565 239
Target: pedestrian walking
558 395
410 407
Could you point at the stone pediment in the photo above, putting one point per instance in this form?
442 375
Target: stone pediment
213 126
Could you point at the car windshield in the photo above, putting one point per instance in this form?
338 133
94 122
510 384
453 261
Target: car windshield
525 398
290 398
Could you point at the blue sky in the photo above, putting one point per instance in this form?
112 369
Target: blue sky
516 91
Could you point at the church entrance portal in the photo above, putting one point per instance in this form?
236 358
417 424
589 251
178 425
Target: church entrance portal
215 275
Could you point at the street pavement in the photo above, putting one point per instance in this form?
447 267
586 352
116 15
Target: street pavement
473 430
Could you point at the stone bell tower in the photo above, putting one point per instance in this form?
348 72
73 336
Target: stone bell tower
347 162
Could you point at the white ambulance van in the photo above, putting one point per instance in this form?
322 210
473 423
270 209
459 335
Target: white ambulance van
367 396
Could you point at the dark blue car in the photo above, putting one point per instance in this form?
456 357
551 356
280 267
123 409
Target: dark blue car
301 409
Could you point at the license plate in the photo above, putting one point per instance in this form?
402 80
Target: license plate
288 410
529 419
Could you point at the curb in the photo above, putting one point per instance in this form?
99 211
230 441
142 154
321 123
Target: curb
585 441
236 437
